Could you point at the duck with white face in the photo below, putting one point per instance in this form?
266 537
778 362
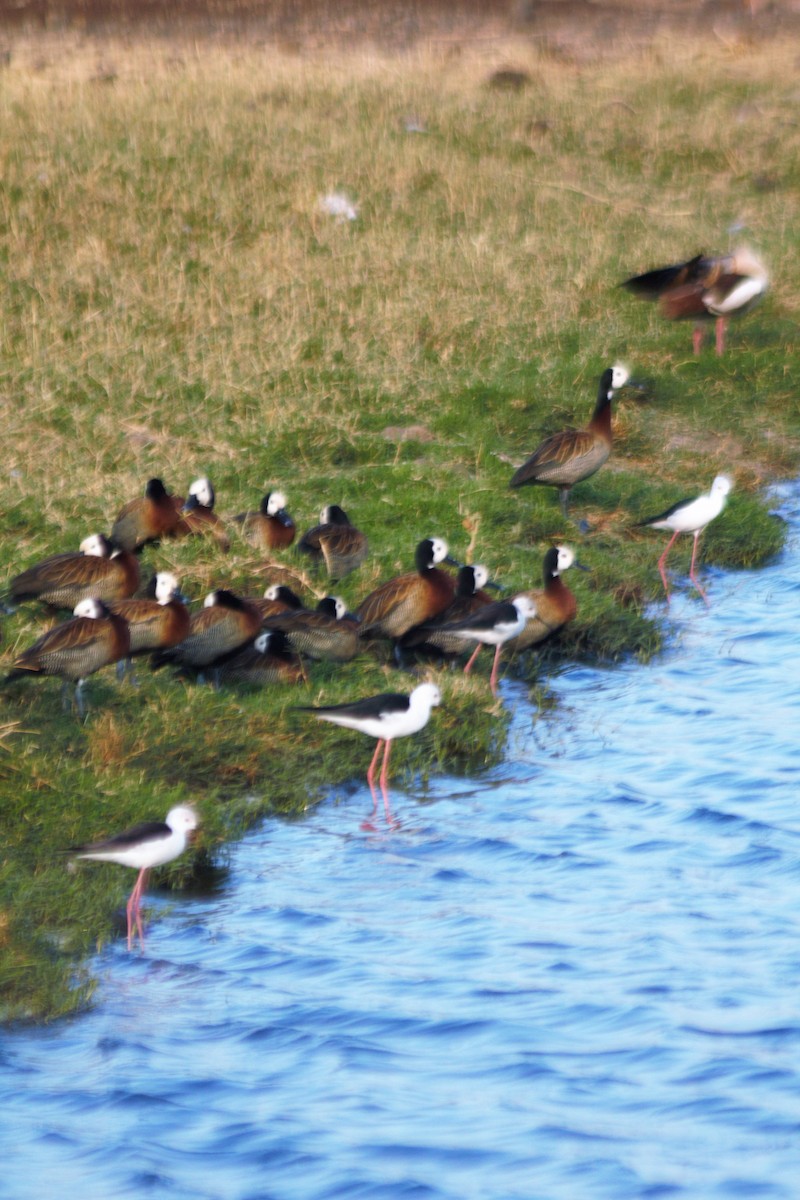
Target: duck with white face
94 638
63 580
196 514
270 527
572 455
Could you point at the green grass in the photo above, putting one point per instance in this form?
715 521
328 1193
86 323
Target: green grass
174 302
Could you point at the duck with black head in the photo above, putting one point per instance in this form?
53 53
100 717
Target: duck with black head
572 455
146 519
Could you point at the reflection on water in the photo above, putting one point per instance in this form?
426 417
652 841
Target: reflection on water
576 976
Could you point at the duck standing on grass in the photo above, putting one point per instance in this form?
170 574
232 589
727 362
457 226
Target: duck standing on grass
572 455
396 605
156 622
94 638
555 604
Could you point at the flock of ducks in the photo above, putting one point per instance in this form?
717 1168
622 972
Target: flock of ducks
427 611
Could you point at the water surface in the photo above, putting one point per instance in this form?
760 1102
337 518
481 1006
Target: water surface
577 976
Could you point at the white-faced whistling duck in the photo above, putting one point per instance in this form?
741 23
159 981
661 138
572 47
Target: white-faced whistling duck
690 516
336 542
277 598
266 660
326 634
470 596
555 605
151 844
494 625
94 638
271 527
197 516
707 287
568 457
156 623
224 624
146 519
63 580
395 606
385 717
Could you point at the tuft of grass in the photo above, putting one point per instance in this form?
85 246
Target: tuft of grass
176 303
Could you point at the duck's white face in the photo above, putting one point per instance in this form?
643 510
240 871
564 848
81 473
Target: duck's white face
340 608
166 586
210 600
262 642
203 492
325 515
439 549
619 375
566 558
89 608
480 575
94 545
182 819
272 592
276 502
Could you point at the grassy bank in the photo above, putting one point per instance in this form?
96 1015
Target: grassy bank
175 302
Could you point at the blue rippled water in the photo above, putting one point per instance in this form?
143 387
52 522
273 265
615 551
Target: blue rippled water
577 976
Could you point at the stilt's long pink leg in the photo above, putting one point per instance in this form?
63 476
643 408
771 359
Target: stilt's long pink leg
720 331
468 667
697 338
384 778
133 908
493 676
371 776
663 560
692 575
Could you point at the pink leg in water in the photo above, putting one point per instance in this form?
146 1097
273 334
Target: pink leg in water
468 667
384 778
371 773
663 560
133 908
692 575
720 330
493 676
382 744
